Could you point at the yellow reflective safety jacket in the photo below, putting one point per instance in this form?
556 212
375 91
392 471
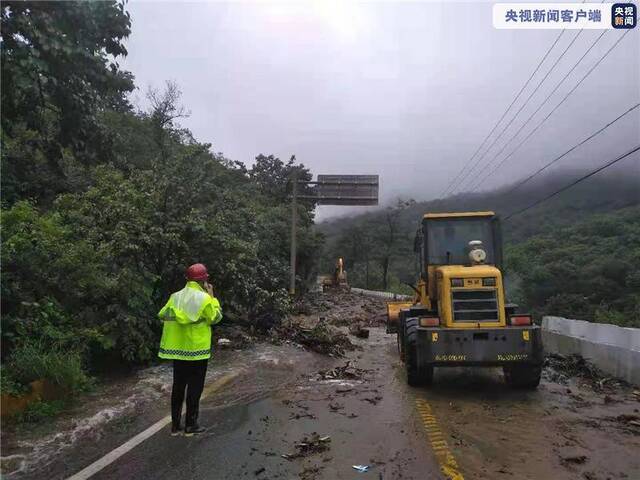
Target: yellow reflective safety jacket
188 316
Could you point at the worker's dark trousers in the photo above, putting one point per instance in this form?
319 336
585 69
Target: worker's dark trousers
189 375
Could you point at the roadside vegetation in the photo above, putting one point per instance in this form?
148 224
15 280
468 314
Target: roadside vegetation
104 205
589 270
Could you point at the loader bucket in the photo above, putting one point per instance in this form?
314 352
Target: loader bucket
393 314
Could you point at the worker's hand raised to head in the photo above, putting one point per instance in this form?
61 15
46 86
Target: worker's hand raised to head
209 288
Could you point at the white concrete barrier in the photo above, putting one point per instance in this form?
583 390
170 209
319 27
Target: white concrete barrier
376 293
614 350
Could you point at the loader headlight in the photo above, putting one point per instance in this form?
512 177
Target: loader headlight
457 282
489 282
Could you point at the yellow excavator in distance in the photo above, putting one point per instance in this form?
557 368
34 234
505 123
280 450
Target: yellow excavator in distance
337 281
459 316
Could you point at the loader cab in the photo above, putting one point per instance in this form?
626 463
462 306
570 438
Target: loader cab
443 239
443 243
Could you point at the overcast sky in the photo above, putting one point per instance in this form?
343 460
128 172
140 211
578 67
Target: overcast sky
404 90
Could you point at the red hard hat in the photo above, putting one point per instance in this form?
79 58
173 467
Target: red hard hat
197 271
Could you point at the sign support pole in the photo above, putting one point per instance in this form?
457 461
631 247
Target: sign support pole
329 190
294 221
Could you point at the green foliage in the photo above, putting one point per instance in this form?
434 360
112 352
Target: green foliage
59 71
92 270
588 270
51 281
104 207
37 412
95 268
36 360
9 385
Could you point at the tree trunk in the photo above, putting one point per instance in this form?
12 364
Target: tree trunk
385 270
366 270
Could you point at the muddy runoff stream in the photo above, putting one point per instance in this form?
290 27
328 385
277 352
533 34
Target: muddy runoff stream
292 412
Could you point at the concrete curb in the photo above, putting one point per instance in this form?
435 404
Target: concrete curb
615 350
375 293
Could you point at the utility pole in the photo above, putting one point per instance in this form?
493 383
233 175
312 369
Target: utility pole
294 221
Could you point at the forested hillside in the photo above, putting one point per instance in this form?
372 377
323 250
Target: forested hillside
577 254
103 206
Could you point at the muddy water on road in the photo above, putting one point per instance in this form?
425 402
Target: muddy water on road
283 394
110 415
366 416
559 431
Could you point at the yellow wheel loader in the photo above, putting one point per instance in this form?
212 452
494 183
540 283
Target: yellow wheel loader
459 316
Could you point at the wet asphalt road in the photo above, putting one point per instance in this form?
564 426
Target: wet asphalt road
468 425
270 409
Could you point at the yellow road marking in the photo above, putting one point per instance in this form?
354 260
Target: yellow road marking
218 384
446 460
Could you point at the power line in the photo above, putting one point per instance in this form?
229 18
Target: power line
551 112
519 184
542 104
566 187
509 107
504 114
526 102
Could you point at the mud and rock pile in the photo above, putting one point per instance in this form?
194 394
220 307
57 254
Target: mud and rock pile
321 321
344 372
342 309
310 445
239 337
312 303
560 368
322 338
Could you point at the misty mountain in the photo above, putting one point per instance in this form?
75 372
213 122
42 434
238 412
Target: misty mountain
602 193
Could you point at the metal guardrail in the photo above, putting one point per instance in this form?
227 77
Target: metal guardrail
376 293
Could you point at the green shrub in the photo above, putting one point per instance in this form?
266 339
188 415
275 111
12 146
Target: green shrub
38 411
8 383
33 361
613 317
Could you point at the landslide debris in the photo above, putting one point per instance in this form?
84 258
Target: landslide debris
629 422
344 372
310 445
358 331
343 309
237 336
319 321
322 338
309 473
560 368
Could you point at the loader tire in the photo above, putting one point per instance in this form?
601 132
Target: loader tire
402 337
400 349
416 377
525 377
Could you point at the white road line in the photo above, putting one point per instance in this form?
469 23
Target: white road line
112 456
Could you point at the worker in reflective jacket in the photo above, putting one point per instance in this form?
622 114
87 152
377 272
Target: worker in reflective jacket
186 339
